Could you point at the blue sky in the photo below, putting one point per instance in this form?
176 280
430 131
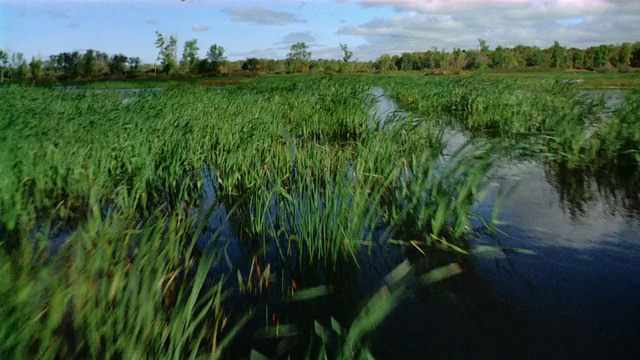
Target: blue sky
268 28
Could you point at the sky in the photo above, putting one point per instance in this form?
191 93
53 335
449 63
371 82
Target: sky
268 28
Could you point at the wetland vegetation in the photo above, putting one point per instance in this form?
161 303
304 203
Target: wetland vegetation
275 216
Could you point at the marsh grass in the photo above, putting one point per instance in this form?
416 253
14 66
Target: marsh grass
555 116
297 167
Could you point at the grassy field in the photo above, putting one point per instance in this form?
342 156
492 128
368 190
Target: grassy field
108 247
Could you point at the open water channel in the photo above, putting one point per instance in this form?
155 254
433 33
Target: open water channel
575 292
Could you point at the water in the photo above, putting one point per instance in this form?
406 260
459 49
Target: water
560 280
575 292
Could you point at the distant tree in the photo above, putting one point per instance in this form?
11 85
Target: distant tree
406 61
503 58
251 64
427 60
280 66
134 64
600 56
559 58
189 62
118 64
51 67
19 66
475 60
577 59
216 57
69 63
534 56
384 63
89 64
36 68
346 57
439 58
456 59
167 52
4 64
624 54
298 57
482 46
102 62
635 55
270 66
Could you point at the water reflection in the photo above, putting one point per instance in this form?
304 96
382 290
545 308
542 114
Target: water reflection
575 297
616 190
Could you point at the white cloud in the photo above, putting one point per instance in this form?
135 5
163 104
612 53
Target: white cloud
445 6
421 25
296 37
73 25
199 27
58 14
257 53
261 16
327 53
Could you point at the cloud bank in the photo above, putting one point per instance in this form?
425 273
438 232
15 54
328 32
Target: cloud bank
261 16
296 37
199 27
421 25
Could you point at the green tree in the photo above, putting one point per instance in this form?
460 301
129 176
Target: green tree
167 52
384 63
102 62
51 67
406 62
534 56
600 56
4 64
89 64
69 63
346 57
559 58
503 58
118 64
578 59
298 57
189 62
36 68
456 59
482 46
439 58
251 64
624 54
19 66
216 57
134 64
475 60
635 55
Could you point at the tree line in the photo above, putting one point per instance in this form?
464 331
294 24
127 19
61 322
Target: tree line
95 64
600 58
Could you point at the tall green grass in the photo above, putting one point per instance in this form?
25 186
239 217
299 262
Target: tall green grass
102 193
557 116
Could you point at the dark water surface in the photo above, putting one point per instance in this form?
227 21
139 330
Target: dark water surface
578 296
574 294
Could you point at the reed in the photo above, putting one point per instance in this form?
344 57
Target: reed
108 251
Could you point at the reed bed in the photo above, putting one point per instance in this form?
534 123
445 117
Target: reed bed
553 116
107 248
